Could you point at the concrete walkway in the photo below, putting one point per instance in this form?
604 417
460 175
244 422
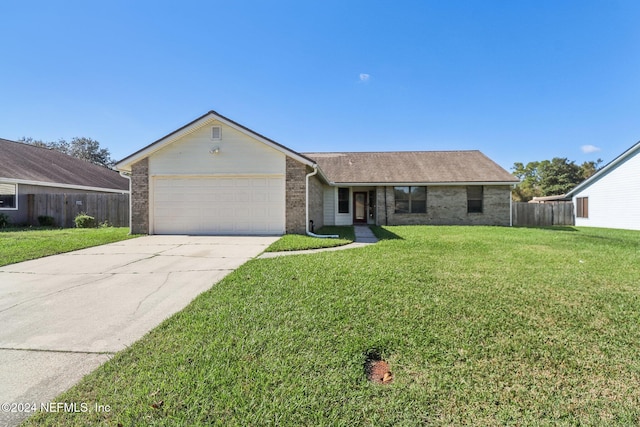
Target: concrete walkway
364 237
364 234
62 316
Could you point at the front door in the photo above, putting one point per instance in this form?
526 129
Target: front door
359 207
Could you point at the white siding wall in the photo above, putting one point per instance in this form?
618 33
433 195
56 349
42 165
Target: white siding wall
239 190
330 205
239 155
331 215
343 218
614 199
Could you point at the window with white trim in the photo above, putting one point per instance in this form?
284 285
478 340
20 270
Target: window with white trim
8 196
343 200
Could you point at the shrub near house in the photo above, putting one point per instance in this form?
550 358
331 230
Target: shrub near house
85 221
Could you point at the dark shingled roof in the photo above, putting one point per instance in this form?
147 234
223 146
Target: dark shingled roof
411 167
31 163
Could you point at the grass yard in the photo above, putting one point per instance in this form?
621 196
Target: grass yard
24 244
480 326
296 242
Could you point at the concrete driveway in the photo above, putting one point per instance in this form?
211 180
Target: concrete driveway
64 315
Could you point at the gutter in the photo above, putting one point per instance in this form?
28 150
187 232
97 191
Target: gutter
62 185
309 233
419 183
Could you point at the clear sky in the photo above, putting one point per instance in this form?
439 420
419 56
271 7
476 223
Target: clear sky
520 80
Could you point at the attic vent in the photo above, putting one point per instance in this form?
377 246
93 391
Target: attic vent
216 133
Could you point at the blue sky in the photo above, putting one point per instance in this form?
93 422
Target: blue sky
519 80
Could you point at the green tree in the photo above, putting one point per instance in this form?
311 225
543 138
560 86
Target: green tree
559 176
587 169
549 177
89 149
80 147
529 177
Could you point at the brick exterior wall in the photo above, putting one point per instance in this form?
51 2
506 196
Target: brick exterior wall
140 197
447 205
295 194
316 202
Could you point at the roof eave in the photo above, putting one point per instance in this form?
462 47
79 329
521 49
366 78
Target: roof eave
125 164
61 185
428 184
322 174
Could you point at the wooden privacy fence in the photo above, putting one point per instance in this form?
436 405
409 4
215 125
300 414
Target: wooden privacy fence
542 214
63 208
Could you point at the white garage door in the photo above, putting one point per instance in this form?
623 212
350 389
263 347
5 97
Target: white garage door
218 205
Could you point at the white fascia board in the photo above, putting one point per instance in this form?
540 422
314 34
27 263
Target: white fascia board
322 175
265 141
59 185
125 164
421 184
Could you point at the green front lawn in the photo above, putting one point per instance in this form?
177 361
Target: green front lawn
297 242
480 326
18 245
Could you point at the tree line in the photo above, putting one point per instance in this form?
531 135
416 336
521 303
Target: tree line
550 177
79 147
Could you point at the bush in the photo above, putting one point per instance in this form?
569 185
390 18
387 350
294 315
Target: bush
4 220
46 221
83 220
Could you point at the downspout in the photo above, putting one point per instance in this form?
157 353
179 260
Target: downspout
125 175
309 233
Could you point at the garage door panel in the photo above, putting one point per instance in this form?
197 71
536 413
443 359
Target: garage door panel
218 205
260 198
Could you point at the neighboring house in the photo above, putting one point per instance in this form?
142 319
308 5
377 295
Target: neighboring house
26 169
611 197
215 176
560 198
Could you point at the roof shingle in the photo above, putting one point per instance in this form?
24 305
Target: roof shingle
30 163
411 167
